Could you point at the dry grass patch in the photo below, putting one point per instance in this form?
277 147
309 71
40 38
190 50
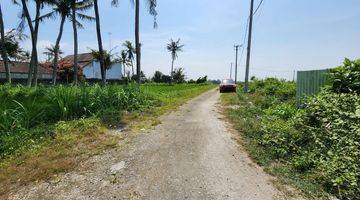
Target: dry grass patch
74 142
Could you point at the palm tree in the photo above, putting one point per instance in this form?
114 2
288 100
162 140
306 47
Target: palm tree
3 50
12 46
124 61
75 34
105 56
152 10
63 8
130 51
174 47
101 50
34 30
75 6
50 52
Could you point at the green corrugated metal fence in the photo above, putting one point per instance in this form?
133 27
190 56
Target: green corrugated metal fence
309 83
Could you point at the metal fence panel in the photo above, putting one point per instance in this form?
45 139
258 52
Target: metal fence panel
309 83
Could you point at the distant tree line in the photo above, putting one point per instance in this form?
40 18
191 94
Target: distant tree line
177 78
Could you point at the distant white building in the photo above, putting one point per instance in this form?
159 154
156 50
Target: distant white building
91 67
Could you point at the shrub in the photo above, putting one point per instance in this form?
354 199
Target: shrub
179 75
201 80
330 126
322 139
346 78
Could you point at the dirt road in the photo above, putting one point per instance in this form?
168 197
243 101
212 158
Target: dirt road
191 155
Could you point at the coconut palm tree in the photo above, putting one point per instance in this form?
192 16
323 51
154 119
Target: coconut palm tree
3 49
78 6
51 51
123 59
63 8
12 46
34 30
130 51
101 49
174 47
152 10
75 35
106 56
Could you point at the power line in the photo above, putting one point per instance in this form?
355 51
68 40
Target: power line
258 7
270 69
243 44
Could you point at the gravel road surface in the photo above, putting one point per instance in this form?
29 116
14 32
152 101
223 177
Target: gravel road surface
190 155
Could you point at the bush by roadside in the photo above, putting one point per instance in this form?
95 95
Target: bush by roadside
317 147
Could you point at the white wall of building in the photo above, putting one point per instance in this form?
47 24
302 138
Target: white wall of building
92 71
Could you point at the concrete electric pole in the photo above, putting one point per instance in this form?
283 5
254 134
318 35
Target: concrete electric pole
246 88
236 61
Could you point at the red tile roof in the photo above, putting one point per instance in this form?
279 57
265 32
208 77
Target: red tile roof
22 67
83 59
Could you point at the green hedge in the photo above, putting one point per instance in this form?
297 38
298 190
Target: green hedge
321 141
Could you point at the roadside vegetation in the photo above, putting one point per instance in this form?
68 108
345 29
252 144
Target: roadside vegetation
47 130
314 147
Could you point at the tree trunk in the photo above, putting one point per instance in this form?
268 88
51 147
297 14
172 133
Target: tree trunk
137 40
124 71
132 68
101 50
75 42
33 61
3 50
57 49
172 70
35 55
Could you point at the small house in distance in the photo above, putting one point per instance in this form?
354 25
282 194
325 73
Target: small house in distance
19 71
90 67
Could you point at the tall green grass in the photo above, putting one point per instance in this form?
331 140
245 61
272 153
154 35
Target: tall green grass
23 110
29 115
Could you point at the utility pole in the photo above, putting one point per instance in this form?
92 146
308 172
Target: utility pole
236 61
294 76
246 88
231 65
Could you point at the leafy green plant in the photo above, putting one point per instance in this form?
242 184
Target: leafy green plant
331 126
346 78
320 142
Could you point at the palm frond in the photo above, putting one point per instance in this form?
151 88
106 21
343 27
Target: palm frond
84 5
85 17
50 15
174 47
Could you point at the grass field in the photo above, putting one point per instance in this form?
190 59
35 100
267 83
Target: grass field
49 130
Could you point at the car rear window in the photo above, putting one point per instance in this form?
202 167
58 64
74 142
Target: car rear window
227 81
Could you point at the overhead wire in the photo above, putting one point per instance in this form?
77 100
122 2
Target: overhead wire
247 28
258 7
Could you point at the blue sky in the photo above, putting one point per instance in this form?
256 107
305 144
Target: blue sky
288 34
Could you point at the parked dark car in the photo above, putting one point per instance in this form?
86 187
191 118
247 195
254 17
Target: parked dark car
227 85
